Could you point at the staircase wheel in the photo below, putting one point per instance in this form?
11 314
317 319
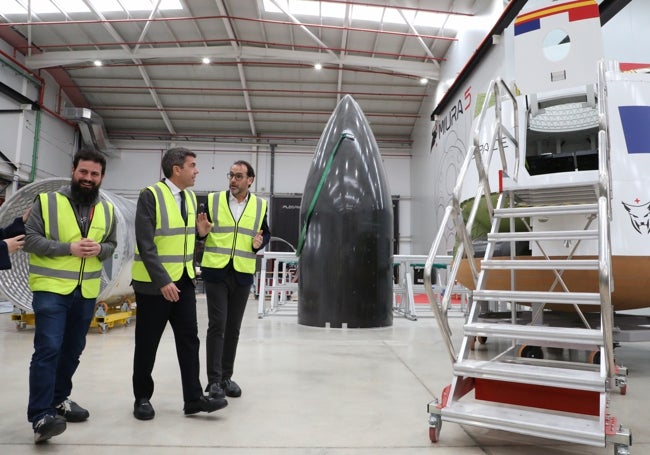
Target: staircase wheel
435 424
482 340
623 389
531 352
594 357
433 434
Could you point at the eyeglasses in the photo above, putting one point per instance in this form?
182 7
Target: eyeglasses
230 175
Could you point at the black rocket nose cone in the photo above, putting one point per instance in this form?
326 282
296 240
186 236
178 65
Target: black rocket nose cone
346 216
347 129
347 118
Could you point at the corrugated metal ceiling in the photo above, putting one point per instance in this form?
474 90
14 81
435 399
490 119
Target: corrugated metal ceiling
260 85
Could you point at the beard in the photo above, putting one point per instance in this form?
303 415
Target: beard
82 194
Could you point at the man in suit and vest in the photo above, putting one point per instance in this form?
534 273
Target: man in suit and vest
68 234
238 228
163 280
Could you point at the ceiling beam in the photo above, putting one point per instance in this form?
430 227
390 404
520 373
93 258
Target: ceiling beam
147 24
419 38
304 28
147 80
195 25
64 58
240 68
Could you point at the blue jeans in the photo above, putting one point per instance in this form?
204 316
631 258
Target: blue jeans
61 322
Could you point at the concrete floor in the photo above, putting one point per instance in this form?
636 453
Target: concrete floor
305 391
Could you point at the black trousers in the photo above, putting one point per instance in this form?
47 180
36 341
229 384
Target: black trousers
226 304
153 313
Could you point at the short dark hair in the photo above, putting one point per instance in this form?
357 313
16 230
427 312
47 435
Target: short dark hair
250 172
175 157
89 154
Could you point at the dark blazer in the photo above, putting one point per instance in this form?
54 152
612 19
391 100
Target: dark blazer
17 227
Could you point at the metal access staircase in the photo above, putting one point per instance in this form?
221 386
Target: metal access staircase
547 379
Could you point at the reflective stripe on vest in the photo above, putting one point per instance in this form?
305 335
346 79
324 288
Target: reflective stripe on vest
62 274
229 239
174 239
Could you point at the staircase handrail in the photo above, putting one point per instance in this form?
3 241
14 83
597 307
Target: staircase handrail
453 212
605 283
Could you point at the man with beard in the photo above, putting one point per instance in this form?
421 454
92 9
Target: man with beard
69 233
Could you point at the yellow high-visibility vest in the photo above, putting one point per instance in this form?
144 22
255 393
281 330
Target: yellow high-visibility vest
229 239
62 274
173 237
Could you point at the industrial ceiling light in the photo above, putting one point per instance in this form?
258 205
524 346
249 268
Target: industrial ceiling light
424 81
98 63
318 66
206 61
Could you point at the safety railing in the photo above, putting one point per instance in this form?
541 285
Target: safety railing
497 90
278 284
604 219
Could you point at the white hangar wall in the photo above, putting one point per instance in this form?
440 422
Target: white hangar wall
136 164
29 136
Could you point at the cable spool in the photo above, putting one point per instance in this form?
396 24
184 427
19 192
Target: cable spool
116 271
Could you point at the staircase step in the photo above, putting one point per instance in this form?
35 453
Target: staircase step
543 424
589 338
579 234
540 264
548 196
547 189
580 298
569 378
546 210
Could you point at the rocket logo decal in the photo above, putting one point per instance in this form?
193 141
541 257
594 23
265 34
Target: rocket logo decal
639 216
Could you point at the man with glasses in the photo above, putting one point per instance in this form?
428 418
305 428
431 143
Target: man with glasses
238 228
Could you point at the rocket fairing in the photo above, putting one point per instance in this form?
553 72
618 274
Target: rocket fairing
346 216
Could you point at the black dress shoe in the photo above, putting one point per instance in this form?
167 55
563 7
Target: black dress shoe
142 409
204 404
215 391
231 388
